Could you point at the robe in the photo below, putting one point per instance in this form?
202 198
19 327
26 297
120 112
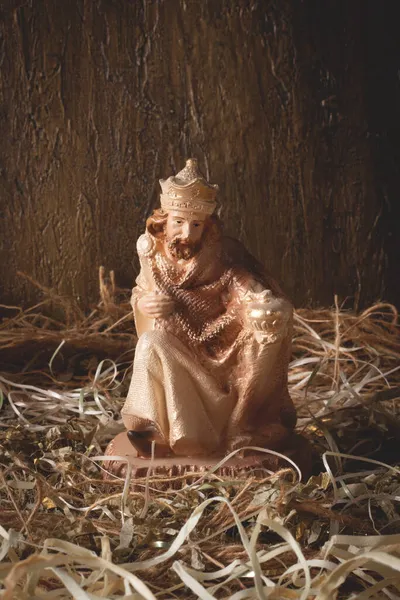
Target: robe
206 380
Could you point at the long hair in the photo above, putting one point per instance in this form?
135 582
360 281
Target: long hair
156 223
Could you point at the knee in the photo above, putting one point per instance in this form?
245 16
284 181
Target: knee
146 344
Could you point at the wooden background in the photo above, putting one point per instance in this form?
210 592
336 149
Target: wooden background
290 106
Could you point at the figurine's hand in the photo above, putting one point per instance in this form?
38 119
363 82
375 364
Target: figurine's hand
155 305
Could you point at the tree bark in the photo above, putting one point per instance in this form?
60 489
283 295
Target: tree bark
101 98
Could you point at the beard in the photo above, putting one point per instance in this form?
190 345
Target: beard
183 250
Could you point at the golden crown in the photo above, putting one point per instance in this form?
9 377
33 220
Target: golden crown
188 191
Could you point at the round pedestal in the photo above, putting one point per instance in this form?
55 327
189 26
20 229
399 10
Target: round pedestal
188 468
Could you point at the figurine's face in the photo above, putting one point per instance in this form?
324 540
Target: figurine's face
183 233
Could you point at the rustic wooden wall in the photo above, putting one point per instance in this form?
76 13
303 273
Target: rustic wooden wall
100 98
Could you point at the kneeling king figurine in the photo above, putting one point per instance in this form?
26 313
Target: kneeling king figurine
210 373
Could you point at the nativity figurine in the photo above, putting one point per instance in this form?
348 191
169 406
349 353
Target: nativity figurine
210 373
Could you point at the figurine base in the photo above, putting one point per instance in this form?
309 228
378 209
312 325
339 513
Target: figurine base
187 469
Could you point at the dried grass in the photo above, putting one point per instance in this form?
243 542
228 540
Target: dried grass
68 533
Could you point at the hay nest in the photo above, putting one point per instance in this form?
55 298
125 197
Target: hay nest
65 532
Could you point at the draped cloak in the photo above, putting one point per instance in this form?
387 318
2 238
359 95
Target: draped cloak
203 381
